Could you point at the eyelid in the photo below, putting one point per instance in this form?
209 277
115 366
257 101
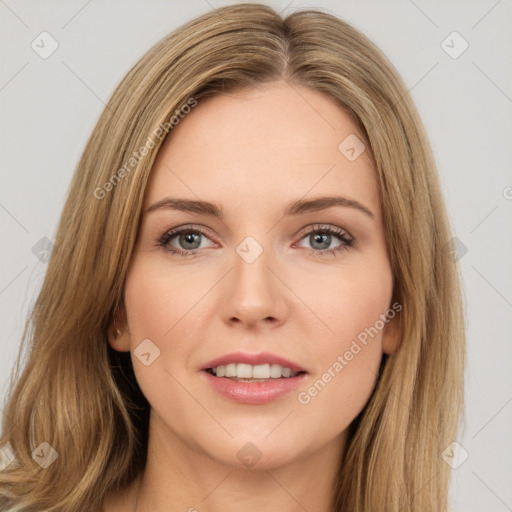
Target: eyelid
171 233
324 227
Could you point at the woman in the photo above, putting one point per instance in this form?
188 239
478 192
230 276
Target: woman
249 300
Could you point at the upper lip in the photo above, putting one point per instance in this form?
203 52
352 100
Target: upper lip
253 359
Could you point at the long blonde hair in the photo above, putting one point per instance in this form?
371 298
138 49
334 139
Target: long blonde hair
74 393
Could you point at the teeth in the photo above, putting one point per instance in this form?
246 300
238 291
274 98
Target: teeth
260 371
248 371
276 370
230 370
244 371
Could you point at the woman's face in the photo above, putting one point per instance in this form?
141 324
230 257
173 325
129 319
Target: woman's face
310 285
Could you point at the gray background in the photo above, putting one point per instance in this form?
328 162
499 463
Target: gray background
49 107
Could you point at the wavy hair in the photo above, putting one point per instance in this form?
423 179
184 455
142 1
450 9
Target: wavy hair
77 394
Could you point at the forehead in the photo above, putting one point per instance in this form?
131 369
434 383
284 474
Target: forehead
271 144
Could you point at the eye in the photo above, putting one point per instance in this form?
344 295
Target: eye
187 239
322 236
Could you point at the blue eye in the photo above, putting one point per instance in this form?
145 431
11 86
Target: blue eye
188 240
187 237
321 236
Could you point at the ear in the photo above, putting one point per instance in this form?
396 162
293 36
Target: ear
118 334
391 335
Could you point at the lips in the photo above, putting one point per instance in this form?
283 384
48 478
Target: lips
252 391
254 359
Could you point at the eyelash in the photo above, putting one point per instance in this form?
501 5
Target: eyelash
341 234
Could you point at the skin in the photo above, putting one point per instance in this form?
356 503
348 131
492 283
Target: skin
253 152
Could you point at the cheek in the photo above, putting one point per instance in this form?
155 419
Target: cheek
166 306
357 304
349 355
157 299
347 301
155 304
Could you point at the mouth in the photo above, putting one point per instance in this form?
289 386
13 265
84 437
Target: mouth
253 379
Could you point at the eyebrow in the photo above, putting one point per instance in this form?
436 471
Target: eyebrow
297 207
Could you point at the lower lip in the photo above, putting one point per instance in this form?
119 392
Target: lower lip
255 393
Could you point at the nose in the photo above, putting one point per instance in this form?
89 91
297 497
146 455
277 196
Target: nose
252 295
